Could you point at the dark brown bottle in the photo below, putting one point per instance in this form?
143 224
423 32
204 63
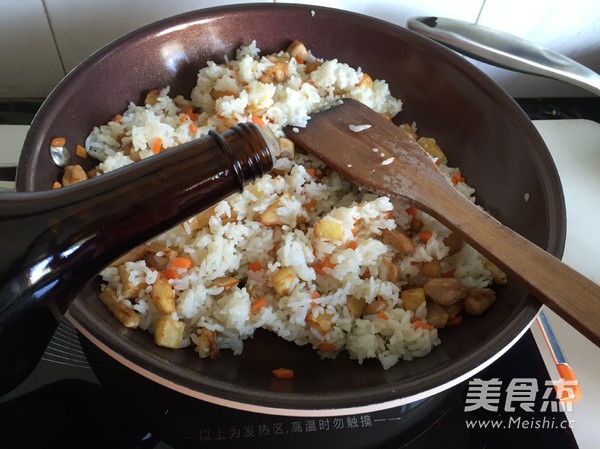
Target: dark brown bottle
52 243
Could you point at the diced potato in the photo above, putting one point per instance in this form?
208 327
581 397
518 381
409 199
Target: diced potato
498 276
366 81
432 268
206 344
329 230
321 323
478 300
168 333
356 306
216 94
412 298
129 290
73 174
297 49
226 282
283 280
431 146
277 73
163 295
444 291
126 316
436 315
399 241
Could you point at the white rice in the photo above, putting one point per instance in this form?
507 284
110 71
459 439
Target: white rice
233 240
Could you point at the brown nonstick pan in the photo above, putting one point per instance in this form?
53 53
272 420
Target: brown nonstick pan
482 131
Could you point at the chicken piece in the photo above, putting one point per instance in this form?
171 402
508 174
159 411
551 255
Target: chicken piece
269 217
444 291
286 148
206 344
454 242
454 310
169 333
226 282
152 97
392 272
321 323
297 50
479 300
412 298
356 306
399 241
378 305
310 67
279 72
126 316
329 230
162 295
436 315
73 174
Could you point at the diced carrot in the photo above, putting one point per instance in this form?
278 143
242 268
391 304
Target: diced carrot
388 215
157 145
383 316
310 204
258 121
454 321
220 116
58 142
183 118
193 128
412 211
56 185
254 266
258 304
181 262
448 274
456 178
320 267
170 273
424 236
326 347
283 373
191 115
116 118
422 325
298 59
315 295
80 151
352 245
311 171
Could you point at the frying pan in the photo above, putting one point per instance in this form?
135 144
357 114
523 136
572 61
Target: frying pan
481 129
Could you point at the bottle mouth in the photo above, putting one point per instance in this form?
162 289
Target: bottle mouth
270 140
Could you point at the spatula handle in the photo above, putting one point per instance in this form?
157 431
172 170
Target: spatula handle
572 296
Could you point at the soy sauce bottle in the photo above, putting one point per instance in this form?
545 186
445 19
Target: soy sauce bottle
52 243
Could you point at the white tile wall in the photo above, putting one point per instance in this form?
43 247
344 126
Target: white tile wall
30 64
33 64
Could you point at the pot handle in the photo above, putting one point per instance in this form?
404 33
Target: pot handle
505 50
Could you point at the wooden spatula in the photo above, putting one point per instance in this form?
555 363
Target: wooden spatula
407 172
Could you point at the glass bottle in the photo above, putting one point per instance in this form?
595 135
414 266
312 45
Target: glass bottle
54 242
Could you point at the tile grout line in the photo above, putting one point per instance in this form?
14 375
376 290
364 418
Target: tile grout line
478 14
62 64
